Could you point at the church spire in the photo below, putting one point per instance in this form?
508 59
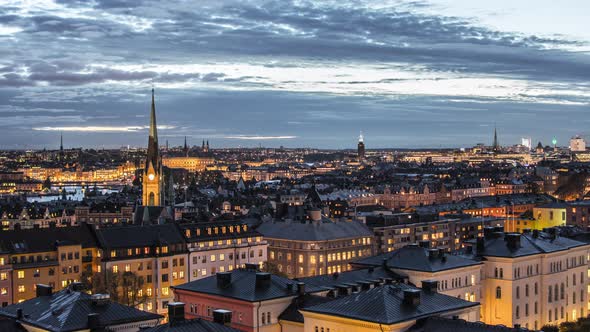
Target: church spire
153 126
153 154
185 147
496 145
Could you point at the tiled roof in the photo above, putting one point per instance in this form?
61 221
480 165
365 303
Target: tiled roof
193 325
243 287
386 305
417 258
313 231
68 310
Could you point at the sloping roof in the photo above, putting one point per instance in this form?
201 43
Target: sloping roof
144 215
46 239
496 245
292 313
440 324
313 231
9 325
68 310
413 257
193 325
139 236
243 287
385 305
331 281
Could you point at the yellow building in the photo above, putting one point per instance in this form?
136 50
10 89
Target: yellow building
391 307
549 215
191 164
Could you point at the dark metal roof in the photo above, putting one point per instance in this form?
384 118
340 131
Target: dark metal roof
385 305
243 287
417 258
496 245
313 231
139 236
440 324
193 325
354 277
68 310
292 313
46 239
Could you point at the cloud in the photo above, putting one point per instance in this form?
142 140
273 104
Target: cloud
108 129
259 138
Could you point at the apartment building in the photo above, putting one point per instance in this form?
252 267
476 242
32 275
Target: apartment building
532 279
54 256
156 254
315 245
221 246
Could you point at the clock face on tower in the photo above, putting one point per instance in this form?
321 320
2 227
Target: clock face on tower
151 177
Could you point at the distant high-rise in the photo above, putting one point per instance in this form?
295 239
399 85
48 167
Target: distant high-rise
577 144
185 147
152 173
361 147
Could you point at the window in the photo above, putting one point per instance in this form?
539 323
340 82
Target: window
165 291
498 292
21 274
21 288
517 292
115 269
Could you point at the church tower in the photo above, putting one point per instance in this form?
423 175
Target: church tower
361 147
496 144
152 194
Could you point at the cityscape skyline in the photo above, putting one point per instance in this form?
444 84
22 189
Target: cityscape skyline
293 74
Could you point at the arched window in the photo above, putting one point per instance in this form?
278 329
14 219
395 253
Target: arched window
498 292
518 292
562 291
526 290
151 199
550 297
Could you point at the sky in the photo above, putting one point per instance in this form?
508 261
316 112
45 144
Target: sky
293 73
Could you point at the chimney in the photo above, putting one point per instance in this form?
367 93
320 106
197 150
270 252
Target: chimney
371 269
480 245
384 262
424 244
19 314
222 316
488 231
290 287
412 297
314 214
387 281
430 286
552 232
77 286
535 233
93 321
433 253
262 279
301 288
512 240
223 279
365 285
100 300
342 290
526 231
251 267
175 312
43 290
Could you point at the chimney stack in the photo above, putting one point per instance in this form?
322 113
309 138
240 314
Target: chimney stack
222 316
424 244
512 240
480 245
430 286
262 279
93 321
301 288
412 297
175 312
223 279
43 290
